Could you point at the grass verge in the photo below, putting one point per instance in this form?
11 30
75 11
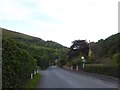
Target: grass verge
32 83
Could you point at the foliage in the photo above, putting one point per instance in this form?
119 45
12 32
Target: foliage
116 58
68 64
22 53
17 65
45 52
78 46
105 49
52 44
106 69
62 58
61 62
91 56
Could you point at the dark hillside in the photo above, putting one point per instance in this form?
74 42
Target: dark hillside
106 49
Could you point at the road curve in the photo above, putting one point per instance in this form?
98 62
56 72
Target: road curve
55 77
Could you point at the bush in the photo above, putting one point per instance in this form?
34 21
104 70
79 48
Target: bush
110 70
68 64
115 58
17 64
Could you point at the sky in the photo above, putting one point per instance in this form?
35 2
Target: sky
62 21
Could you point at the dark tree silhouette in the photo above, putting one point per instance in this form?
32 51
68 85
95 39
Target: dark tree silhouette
78 46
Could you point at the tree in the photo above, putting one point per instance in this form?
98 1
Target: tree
115 58
104 49
78 46
61 62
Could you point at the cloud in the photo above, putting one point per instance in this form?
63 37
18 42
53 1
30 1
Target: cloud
10 10
62 20
26 11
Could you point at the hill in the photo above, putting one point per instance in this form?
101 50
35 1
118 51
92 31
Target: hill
21 54
30 40
105 50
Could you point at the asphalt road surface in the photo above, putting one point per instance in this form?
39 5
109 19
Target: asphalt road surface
55 77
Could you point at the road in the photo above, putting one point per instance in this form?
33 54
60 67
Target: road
55 77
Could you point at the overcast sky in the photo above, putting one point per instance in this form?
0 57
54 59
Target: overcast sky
61 20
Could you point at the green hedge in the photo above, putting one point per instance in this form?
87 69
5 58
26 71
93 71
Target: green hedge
17 65
110 70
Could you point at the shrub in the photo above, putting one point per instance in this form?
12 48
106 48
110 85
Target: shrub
17 64
115 58
110 70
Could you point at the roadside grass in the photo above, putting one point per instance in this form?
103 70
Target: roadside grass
32 83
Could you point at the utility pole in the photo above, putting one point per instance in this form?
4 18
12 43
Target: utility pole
89 51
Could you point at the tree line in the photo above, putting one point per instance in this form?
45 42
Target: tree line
105 51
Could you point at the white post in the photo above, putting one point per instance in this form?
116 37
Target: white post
77 68
34 72
31 76
83 65
71 67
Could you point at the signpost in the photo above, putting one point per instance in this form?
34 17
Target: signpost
83 60
77 68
